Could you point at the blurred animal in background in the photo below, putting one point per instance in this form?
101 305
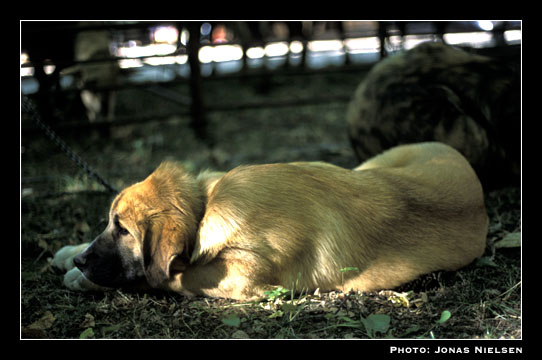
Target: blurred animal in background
94 45
60 48
435 92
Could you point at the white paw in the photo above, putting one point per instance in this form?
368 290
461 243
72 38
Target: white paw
76 280
63 259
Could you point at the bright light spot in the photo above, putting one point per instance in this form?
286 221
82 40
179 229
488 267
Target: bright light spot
325 45
206 54
229 53
485 25
512 36
26 71
410 41
296 47
49 69
163 49
474 39
181 59
130 52
130 63
163 60
220 53
185 35
149 50
276 49
394 42
166 34
255 52
362 45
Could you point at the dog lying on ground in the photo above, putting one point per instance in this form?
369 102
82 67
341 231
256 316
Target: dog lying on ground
435 92
409 211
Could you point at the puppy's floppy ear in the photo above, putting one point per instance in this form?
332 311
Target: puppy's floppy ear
176 204
164 245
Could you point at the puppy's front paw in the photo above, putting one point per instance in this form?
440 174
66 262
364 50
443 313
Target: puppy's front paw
63 259
76 280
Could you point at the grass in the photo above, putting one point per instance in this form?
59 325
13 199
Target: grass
60 206
478 308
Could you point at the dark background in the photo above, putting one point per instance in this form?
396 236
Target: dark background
279 108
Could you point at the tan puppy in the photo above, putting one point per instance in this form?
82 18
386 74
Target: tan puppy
409 211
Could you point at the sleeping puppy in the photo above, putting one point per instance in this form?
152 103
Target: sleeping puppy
412 210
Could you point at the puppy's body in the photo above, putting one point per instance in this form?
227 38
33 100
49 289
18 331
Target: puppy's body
409 211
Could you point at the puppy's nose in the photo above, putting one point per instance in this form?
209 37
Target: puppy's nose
80 261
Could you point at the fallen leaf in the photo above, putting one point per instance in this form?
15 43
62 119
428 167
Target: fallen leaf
87 334
379 322
29 276
27 333
47 267
444 317
44 323
232 320
509 241
424 297
43 244
27 192
410 330
240 334
82 227
485 261
111 328
88 322
400 299
276 314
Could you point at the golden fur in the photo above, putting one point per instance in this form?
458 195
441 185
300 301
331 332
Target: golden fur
412 210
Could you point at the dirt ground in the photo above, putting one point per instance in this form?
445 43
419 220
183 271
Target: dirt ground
61 205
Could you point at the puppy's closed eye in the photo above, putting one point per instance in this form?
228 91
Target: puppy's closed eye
118 227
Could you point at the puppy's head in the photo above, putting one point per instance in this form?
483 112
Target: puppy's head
152 226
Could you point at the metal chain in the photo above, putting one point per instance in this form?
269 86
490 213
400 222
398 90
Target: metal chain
29 108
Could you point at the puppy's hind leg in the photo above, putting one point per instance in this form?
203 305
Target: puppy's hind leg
230 277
